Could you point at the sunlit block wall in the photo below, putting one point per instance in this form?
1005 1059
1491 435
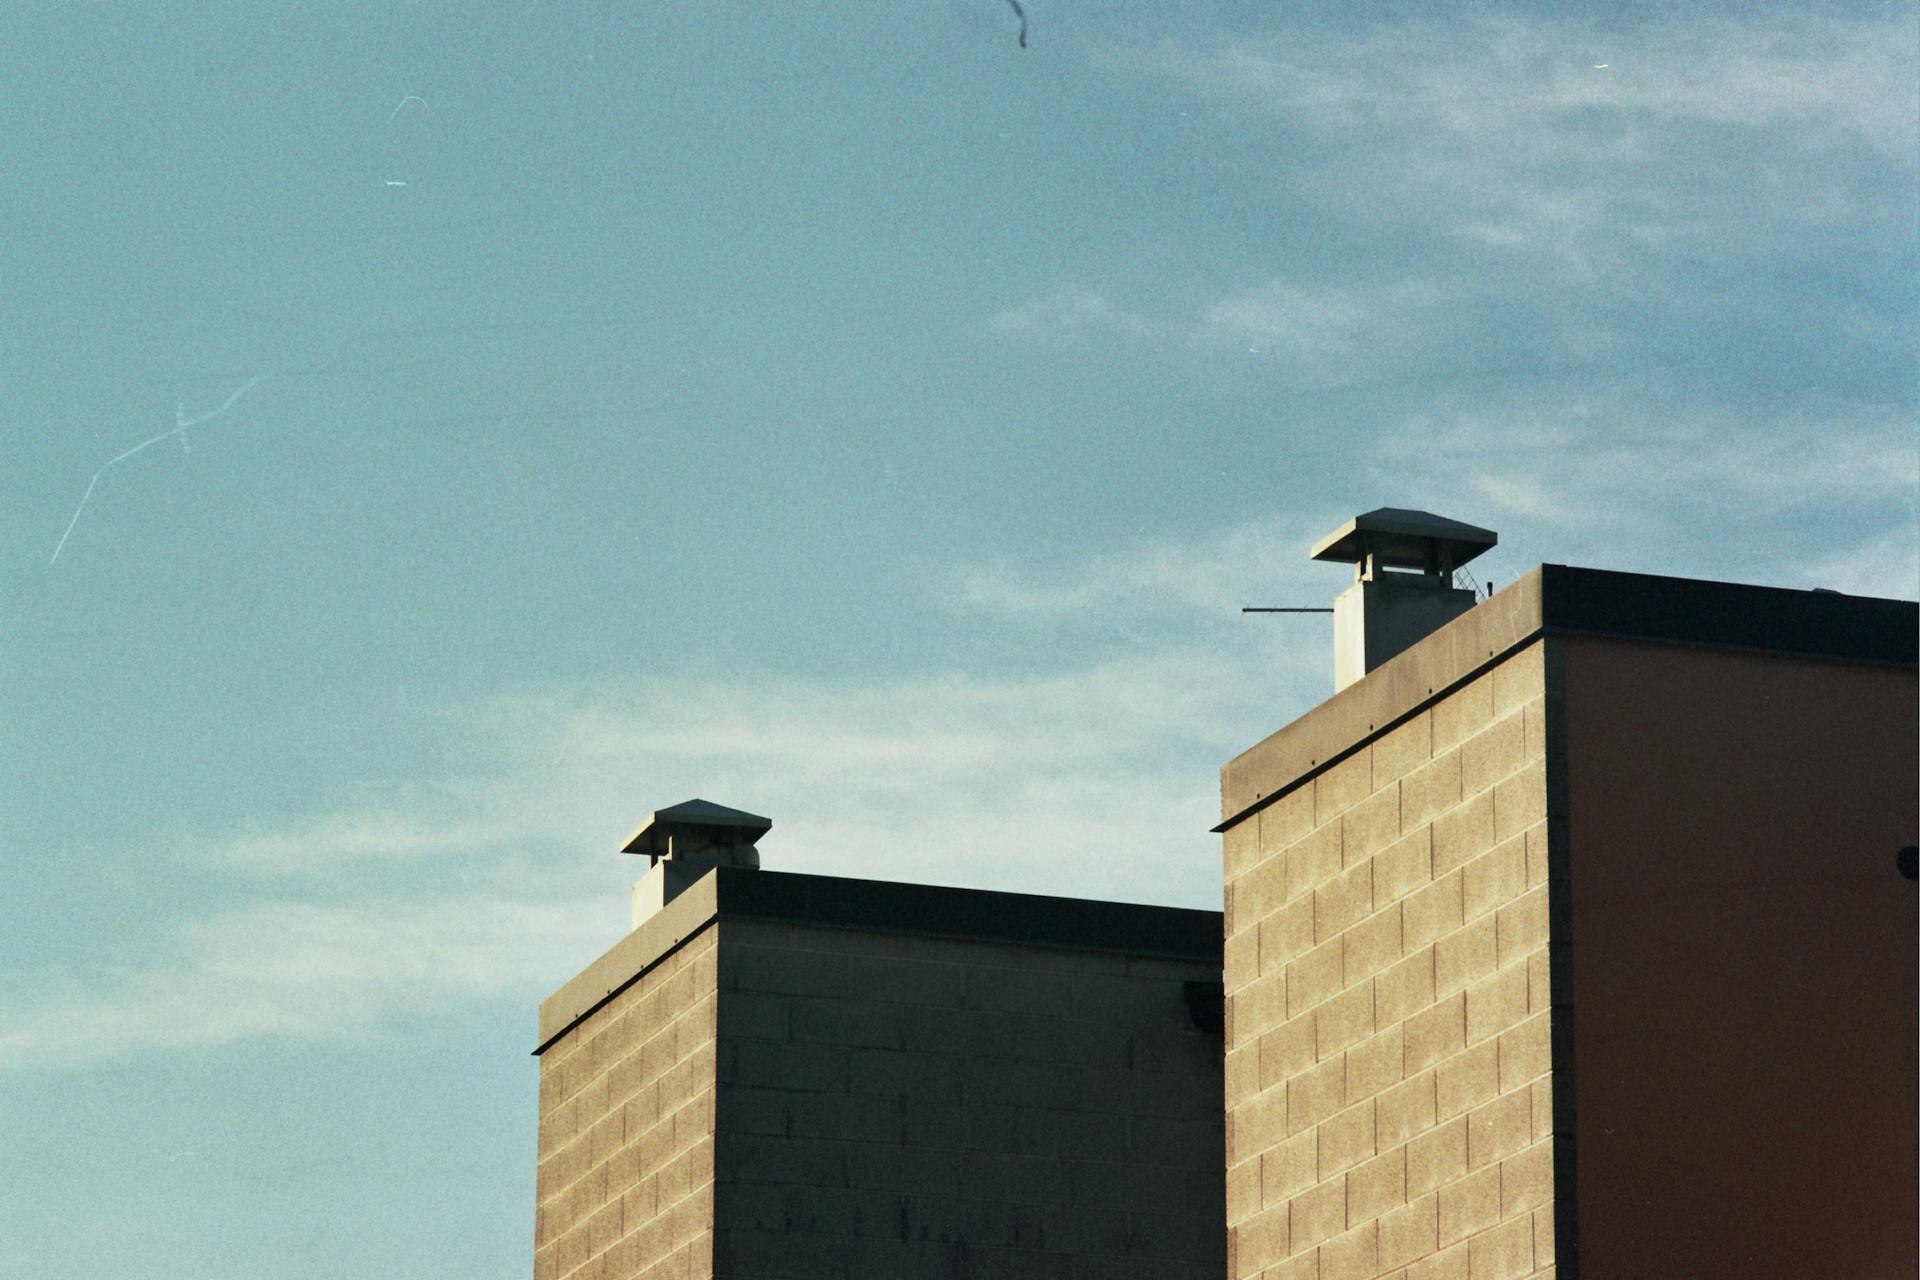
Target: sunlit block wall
1388 1075
1581 935
625 1183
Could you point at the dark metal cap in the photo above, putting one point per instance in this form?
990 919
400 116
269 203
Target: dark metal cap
1401 539
696 825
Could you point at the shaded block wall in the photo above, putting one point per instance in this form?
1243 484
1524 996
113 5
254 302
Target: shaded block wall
906 1106
625 1183
1388 1074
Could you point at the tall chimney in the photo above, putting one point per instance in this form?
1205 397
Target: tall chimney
685 841
1403 563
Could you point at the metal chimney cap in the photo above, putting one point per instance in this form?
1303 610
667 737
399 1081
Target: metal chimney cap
697 823
1399 538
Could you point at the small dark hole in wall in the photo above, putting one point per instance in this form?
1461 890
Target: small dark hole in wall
1908 860
1207 1006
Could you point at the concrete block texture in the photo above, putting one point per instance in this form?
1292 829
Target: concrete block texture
1411 1134
976 1108
624 1186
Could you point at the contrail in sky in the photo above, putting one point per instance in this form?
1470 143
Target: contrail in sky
412 97
182 422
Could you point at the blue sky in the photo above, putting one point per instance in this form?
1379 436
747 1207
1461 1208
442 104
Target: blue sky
832 410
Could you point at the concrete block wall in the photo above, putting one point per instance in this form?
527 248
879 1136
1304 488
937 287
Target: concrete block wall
909 1106
1388 1078
625 1183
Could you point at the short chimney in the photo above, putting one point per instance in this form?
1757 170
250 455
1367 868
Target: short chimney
1403 563
685 842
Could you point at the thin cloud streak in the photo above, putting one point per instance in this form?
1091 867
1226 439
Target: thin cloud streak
1096 781
333 839
1707 135
1309 334
1613 481
1862 461
1180 581
285 968
1071 308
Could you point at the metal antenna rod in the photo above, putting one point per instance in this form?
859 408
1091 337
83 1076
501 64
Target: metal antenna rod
1256 610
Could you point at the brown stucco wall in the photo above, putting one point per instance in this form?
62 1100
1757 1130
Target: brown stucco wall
625 1183
1388 1083
1743 975
902 1105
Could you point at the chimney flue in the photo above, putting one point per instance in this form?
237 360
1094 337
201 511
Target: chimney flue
1403 563
686 841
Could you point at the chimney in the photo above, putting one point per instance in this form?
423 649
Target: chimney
685 842
1403 563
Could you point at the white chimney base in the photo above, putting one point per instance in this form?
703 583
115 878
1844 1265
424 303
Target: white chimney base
666 880
1376 618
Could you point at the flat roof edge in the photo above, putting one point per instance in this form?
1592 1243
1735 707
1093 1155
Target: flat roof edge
1810 624
622 964
1399 687
881 906
1563 600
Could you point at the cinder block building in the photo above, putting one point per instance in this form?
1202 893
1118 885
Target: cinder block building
780 1075
1575 935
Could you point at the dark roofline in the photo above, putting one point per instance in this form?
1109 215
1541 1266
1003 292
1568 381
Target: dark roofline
881 906
1028 919
1556 600
1730 615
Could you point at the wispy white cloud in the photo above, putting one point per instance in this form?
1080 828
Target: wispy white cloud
1314 334
329 840
1885 564
1095 779
1332 335
288 968
1787 495
1545 199
1850 461
1072 309
1590 146
1773 70
1199 581
1615 481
